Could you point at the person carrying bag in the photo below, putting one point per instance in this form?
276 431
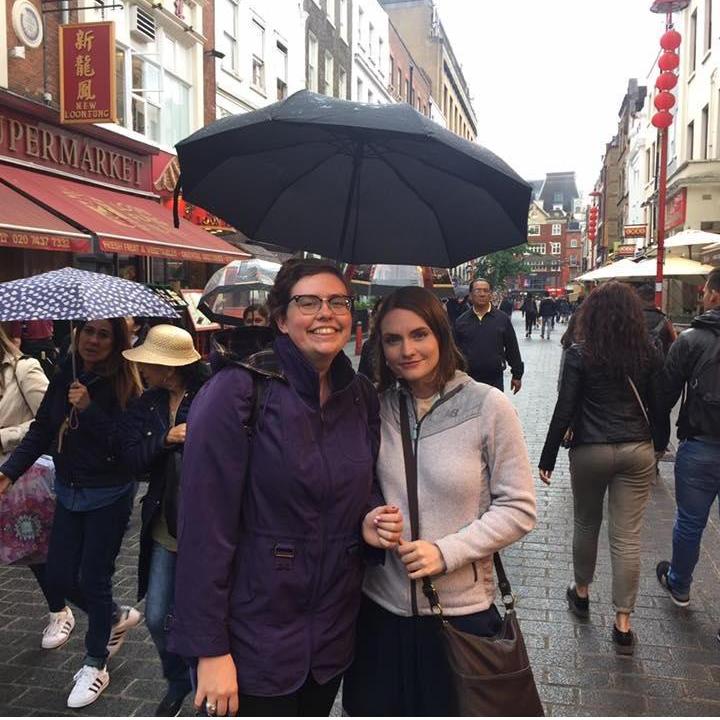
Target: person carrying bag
470 494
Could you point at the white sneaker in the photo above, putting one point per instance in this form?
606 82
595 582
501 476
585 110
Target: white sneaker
129 618
58 629
89 684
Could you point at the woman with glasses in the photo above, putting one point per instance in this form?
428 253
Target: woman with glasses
278 506
77 420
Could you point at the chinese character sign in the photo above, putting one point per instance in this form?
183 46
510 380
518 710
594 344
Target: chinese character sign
87 73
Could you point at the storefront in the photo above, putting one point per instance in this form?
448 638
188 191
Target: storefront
87 199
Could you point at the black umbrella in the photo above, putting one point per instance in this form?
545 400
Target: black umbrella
355 182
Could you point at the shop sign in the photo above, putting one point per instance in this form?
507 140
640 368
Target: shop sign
87 73
625 251
39 241
676 209
55 148
171 252
634 231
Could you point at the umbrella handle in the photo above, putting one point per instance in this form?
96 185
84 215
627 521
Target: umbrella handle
73 419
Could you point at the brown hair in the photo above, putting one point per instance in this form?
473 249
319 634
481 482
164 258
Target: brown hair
123 374
613 331
256 310
290 273
427 307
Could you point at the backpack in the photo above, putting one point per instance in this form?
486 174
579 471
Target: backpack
704 386
655 335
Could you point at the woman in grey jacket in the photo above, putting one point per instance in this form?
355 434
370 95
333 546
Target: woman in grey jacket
475 495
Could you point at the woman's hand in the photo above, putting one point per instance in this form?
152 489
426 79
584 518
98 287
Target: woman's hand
217 686
421 558
5 483
382 527
176 434
545 475
78 396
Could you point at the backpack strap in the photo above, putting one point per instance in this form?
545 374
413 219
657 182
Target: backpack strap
19 384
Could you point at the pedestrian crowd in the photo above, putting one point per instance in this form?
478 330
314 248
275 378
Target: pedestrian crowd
303 524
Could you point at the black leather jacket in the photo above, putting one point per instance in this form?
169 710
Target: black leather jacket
602 409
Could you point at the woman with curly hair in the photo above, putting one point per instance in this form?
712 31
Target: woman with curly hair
609 401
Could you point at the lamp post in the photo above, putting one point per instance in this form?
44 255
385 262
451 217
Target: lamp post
663 119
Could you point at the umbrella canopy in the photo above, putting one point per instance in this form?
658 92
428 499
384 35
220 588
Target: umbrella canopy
687 238
71 294
383 279
673 267
230 287
355 182
607 272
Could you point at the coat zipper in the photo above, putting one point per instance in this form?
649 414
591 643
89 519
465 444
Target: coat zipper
416 439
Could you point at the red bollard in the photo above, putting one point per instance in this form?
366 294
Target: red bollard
358 338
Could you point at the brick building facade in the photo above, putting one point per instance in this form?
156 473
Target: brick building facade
409 82
327 47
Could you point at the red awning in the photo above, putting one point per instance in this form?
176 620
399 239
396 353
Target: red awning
125 224
24 224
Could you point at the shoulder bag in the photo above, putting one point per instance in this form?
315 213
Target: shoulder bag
491 675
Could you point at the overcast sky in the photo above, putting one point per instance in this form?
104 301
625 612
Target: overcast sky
548 76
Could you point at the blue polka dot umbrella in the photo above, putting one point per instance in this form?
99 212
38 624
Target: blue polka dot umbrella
71 294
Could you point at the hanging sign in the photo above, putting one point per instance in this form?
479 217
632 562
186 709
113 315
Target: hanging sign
87 73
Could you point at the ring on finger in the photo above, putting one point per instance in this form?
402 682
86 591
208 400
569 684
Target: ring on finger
211 708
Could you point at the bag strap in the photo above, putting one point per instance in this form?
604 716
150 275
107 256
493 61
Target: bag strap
19 384
640 402
412 490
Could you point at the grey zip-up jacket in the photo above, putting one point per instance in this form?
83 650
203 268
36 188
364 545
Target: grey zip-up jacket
476 493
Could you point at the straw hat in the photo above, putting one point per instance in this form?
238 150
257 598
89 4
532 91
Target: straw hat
165 345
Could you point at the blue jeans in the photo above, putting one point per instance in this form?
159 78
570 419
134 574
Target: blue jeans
159 602
697 484
80 566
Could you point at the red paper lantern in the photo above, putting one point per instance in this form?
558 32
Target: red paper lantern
666 81
671 40
668 61
662 120
664 100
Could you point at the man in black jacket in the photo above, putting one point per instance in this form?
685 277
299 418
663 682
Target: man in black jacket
487 339
694 363
661 330
547 315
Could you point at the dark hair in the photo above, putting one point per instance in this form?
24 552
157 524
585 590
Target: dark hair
256 310
194 375
123 374
613 331
646 292
292 271
713 279
426 306
485 280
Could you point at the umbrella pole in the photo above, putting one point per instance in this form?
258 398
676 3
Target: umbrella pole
72 351
354 183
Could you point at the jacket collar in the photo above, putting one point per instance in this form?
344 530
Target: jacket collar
304 378
709 320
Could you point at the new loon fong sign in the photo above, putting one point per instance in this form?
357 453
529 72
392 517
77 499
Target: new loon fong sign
87 73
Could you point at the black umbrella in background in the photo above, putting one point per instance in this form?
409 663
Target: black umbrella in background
355 182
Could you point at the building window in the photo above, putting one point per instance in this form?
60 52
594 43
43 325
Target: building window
258 55
381 48
228 11
704 132
408 91
690 140
328 86
558 198
371 42
707 42
343 20
330 11
538 249
555 248
361 24
281 60
342 84
359 87
312 79
557 229
392 69
533 229
399 82
573 243
371 97
692 45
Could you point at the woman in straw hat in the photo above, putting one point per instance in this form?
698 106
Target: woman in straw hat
152 439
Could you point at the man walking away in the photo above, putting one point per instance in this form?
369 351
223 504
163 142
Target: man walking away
487 339
547 315
507 306
529 310
693 365
661 330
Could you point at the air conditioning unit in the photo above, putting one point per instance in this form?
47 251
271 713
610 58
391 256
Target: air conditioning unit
142 25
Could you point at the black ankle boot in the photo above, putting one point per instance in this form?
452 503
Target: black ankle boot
577 605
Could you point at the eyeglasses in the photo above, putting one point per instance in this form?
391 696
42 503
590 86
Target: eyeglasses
311 304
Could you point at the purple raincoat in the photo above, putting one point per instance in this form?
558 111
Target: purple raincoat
270 562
